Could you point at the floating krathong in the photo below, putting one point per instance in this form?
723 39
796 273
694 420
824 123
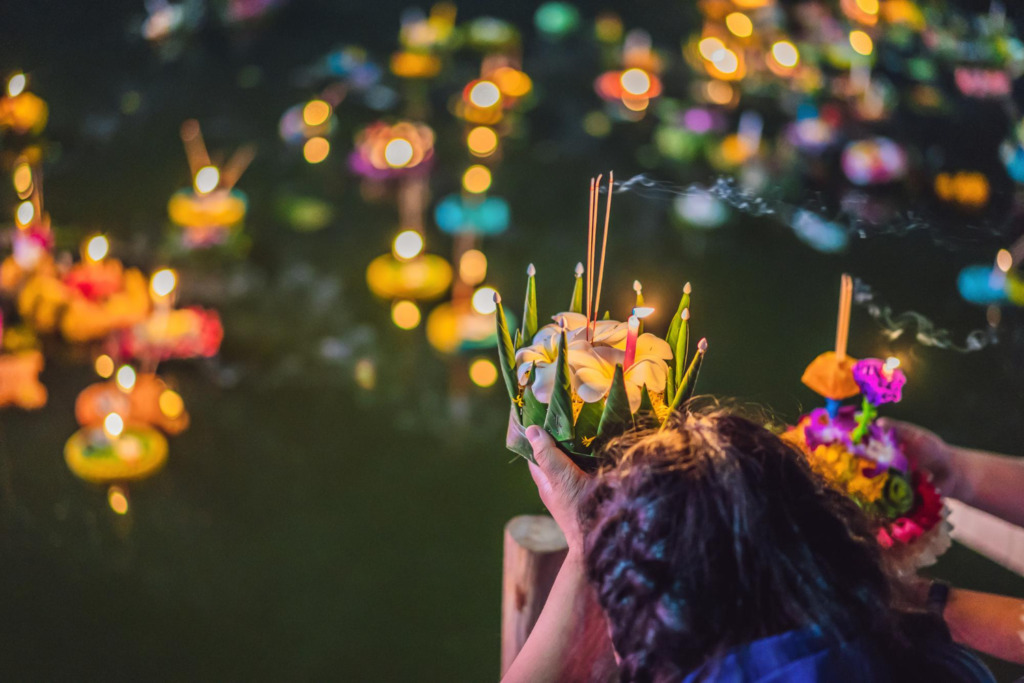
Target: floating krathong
21 111
637 83
191 332
584 378
115 451
20 365
386 152
307 120
210 212
864 460
407 273
139 399
423 38
31 237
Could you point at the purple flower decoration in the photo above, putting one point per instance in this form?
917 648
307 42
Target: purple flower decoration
879 381
882 447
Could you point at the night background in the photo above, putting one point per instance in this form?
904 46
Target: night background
335 509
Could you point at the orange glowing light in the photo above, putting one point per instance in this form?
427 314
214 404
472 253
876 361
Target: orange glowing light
171 404
117 500
476 179
473 267
868 6
316 150
709 46
1004 260
739 24
104 366
482 141
719 92
405 314
22 179
483 373
316 113
512 82
861 43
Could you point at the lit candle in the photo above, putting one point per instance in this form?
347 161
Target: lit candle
638 288
113 427
891 363
95 249
633 328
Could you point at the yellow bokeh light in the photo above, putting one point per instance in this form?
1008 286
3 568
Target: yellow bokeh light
726 61
868 6
117 500
405 314
482 141
482 372
316 150
113 425
483 301
207 179
636 103
316 112
163 282
476 179
1004 260
407 245
125 378
96 248
709 46
16 85
22 179
635 81
473 267
484 94
398 153
25 213
512 82
739 24
861 43
104 366
785 53
171 404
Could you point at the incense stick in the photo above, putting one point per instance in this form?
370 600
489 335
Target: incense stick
843 324
236 166
195 148
590 250
604 245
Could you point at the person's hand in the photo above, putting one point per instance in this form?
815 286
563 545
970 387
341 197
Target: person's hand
560 484
928 451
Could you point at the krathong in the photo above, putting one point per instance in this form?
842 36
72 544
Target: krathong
863 459
586 378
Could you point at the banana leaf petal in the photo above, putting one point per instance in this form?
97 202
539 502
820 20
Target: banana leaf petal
507 355
515 439
617 417
558 421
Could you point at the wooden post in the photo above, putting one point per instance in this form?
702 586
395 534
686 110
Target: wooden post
534 551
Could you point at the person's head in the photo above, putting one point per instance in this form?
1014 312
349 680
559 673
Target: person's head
711 533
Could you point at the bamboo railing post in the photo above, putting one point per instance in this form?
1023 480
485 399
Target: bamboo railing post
534 550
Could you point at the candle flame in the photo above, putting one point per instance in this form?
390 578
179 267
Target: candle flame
125 378
891 363
163 282
113 425
96 248
642 312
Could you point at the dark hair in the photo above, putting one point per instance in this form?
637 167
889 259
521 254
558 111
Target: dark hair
712 533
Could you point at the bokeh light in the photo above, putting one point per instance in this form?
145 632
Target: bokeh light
163 282
207 179
484 94
104 366
22 179
739 24
483 301
96 248
316 112
635 81
861 42
25 213
482 372
476 179
405 314
113 425
398 153
1004 260
16 84
117 500
171 404
316 150
408 244
473 267
482 141
125 378
785 53
726 61
868 6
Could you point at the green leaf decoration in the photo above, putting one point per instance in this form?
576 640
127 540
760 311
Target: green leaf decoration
506 354
617 416
534 411
673 327
646 404
515 439
518 343
585 431
529 327
558 421
607 315
576 305
670 386
685 390
681 349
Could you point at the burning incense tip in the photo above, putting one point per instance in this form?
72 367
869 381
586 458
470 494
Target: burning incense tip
530 270
685 315
579 269
687 288
702 345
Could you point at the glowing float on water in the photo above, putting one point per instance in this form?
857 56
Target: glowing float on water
874 161
307 120
21 111
406 273
386 152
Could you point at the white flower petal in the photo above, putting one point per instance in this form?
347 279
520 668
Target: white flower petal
572 321
634 395
544 382
650 371
591 384
523 371
651 345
